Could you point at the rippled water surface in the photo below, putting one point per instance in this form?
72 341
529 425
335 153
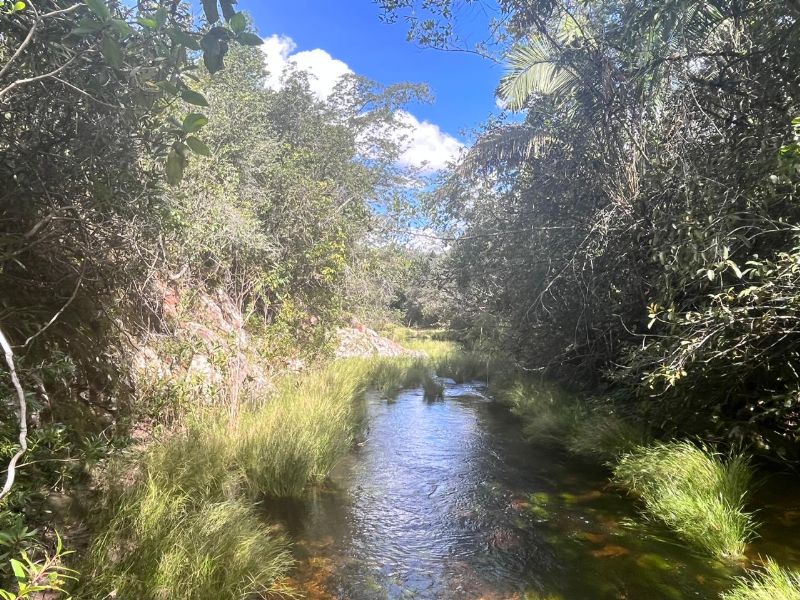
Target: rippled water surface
446 500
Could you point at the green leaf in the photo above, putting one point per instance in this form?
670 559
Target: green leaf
210 10
87 27
238 22
735 268
193 97
122 27
197 146
249 39
99 8
181 148
176 163
184 39
215 61
215 47
169 88
111 51
18 6
19 569
147 22
194 122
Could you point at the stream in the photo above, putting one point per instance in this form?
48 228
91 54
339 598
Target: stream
446 500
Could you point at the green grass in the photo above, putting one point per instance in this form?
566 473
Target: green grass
694 491
185 527
432 389
296 439
604 435
390 375
445 357
548 414
769 583
184 530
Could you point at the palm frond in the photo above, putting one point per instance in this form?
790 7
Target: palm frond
503 148
533 71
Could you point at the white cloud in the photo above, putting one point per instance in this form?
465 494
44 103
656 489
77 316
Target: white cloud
324 70
425 145
426 240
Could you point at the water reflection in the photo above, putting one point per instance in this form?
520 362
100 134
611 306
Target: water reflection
445 500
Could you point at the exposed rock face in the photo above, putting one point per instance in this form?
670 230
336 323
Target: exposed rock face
359 341
203 349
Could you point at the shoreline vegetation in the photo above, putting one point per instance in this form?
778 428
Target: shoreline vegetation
187 526
182 231
700 493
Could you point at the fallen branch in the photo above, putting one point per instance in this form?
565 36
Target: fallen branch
23 417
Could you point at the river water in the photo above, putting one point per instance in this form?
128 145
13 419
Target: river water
446 500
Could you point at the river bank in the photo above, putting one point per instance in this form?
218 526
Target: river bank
198 517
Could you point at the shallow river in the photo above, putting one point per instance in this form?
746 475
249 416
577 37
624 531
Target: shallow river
446 500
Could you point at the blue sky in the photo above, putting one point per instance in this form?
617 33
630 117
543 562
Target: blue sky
330 36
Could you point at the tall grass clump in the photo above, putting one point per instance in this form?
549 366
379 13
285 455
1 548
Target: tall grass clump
445 357
604 435
296 438
769 583
182 529
547 413
432 389
694 491
184 526
390 375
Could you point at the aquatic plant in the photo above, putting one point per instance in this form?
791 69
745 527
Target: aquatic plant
433 389
695 491
768 583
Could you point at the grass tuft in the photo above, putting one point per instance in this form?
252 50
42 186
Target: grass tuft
769 583
548 414
296 439
694 491
433 389
185 527
605 436
175 534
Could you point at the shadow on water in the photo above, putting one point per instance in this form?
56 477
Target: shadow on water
446 500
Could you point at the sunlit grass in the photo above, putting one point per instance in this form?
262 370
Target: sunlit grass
295 439
184 531
547 413
390 375
769 583
185 527
694 491
445 357
604 435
